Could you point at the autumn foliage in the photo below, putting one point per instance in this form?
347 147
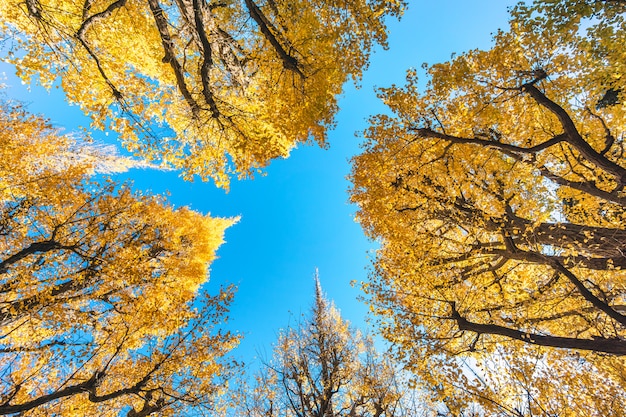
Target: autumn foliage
496 188
213 88
324 368
100 309
498 193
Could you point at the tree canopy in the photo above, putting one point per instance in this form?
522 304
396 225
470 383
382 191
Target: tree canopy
101 311
211 87
324 368
496 189
497 192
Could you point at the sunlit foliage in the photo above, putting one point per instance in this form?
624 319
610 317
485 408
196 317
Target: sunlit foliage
324 368
101 312
212 87
497 192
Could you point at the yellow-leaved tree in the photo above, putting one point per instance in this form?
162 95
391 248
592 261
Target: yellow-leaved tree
101 311
211 87
498 194
324 368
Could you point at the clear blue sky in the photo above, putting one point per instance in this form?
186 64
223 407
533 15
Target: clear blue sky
297 216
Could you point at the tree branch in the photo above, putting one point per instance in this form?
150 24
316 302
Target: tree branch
170 54
34 8
538 258
33 248
429 133
573 136
517 152
596 264
609 139
19 307
584 186
80 35
602 345
46 345
601 242
289 62
207 60
595 301
87 385
97 16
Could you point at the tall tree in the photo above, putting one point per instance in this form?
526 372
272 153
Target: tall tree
323 368
498 195
100 305
212 87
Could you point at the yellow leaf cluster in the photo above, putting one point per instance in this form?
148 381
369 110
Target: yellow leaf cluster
498 194
99 288
323 367
213 89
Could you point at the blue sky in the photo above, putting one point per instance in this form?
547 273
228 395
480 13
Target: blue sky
297 218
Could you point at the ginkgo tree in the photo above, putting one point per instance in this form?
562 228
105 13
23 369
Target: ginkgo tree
324 368
211 87
101 311
497 192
